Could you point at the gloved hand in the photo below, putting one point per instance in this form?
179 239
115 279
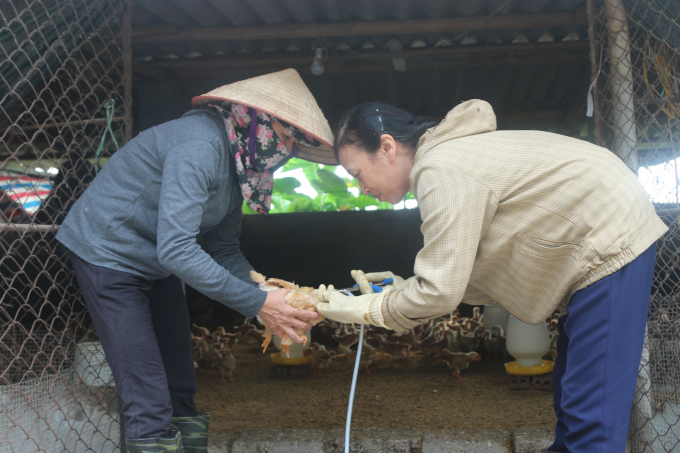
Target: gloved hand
365 309
397 281
322 292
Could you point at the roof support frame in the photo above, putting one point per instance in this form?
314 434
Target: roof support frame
173 33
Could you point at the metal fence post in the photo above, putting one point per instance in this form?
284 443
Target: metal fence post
623 108
594 71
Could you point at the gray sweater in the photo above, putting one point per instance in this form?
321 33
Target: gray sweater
146 207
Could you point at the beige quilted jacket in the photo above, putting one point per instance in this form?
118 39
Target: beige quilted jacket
524 218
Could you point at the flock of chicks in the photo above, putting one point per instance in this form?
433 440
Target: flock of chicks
453 339
214 350
456 340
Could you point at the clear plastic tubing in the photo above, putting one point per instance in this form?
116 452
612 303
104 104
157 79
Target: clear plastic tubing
354 384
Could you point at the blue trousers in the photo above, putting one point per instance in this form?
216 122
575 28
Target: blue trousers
599 351
145 331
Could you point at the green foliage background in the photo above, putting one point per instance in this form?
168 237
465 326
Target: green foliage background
333 192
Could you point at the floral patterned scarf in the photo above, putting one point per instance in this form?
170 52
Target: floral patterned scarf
258 151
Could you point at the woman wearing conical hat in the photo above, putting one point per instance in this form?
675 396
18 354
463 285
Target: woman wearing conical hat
132 237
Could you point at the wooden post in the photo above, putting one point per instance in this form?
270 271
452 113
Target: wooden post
621 79
127 68
594 69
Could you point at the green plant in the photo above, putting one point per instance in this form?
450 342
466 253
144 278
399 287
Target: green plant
334 193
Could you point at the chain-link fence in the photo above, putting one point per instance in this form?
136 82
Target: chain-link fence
64 108
635 47
63 76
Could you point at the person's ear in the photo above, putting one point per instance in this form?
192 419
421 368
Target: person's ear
388 146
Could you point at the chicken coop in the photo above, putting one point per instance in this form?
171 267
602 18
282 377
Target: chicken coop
80 78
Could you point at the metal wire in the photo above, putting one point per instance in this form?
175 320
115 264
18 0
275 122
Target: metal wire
636 116
60 64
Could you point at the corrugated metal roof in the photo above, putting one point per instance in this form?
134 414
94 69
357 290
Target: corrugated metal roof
239 13
544 97
515 83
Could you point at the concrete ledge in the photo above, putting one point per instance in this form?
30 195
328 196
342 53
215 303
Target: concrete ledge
481 441
533 439
279 441
375 440
384 440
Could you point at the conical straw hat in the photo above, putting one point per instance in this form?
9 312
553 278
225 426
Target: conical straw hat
285 96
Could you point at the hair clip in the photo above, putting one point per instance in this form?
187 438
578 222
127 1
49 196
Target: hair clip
380 119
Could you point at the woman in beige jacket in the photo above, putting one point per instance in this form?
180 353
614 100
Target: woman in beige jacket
533 220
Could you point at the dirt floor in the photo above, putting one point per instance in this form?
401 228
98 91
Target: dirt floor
414 395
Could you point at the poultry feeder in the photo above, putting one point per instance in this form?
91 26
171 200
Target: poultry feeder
295 365
528 344
495 315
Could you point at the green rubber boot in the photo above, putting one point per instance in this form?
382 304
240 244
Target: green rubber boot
155 444
194 432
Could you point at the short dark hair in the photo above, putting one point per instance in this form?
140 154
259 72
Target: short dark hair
362 126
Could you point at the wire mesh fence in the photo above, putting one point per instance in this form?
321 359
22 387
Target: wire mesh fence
635 100
62 112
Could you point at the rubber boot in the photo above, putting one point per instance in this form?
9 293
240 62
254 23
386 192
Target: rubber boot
194 432
155 444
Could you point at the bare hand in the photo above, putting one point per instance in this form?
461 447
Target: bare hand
281 317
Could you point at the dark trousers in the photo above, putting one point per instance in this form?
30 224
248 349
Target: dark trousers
145 331
599 351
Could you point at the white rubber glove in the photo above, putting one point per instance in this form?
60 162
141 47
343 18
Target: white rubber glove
366 309
397 281
322 292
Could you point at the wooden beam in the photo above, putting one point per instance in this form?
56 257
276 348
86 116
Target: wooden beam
364 28
303 57
361 67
